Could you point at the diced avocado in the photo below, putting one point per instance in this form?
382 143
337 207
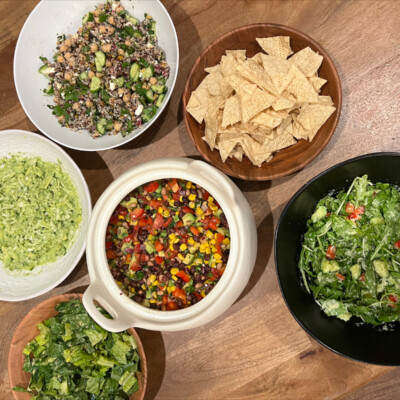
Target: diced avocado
147 72
134 72
120 81
158 88
131 19
149 247
87 18
355 271
189 258
319 213
329 266
159 101
101 126
188 219
223 231
149 95
381 268
83 76
46 70
95 85
377 221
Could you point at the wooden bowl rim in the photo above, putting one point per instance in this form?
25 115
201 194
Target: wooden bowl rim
297 166
139 395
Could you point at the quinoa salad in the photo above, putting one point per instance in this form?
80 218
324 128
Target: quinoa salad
167 244
110 76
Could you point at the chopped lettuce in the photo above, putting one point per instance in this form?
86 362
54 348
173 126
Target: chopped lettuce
74 358
40 212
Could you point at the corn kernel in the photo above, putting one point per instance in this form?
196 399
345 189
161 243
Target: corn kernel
199 211
214 250
152 278
210 199
159 198
226 241
192 197
135 223
171 247
155 283
188 185
181 257
151 238
183 247
174 278
144 287
121 217
192 204
172 236
176 212
208 251
191 241
208 281
171 203
189 267
203 293
217 256
174 271
213 207
132 290
160 210
209 234
170 289
200 229
206 261
176 240
212 241
202 249
180 199
153 301
165 214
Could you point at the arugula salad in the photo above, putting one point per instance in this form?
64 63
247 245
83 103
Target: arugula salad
350 256
73 358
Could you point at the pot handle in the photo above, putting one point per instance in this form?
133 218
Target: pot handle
209 172
119 321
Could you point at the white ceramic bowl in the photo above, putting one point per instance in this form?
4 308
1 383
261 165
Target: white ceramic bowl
14 286
38 38
126 312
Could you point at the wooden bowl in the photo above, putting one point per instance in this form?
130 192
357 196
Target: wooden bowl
288 160
27 331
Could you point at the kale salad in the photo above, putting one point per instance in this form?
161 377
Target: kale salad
350 256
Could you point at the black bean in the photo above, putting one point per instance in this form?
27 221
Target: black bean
207 257
177 203
189 297
197 278
138 298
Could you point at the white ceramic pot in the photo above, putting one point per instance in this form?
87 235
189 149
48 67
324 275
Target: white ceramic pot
126 312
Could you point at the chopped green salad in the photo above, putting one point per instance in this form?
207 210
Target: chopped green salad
40 212
73 358
350 257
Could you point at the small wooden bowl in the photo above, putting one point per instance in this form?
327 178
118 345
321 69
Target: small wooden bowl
288 160
27 331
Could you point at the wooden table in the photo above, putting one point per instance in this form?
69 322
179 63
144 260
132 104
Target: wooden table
255 350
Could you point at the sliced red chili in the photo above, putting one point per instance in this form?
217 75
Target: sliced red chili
340 276
349 208
331 252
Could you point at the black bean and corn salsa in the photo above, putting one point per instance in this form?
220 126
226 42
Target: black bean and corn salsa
167 244
110 76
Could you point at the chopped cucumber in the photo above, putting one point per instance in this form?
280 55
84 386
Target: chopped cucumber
159 100
83 76
109 125
101 57
148 113
140 90
101 126
99 67
152 28
148 72
149 95
137 34
133 20
95 84
120 81
46 70
158 88
134 72
87 18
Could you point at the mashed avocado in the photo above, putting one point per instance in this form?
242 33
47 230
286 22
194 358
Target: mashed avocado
40 212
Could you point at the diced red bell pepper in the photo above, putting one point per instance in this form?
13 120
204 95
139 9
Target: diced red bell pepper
144 258
184 276
187 210
184 238
167 222
159 260
215 221
221 271
135 267
158 222
206 195
127 239
179 224
218 248
158 245
360 210
156 204
173 184
165 300
176 196
353 216
340 276
194 230
331 252
362 277
397 245
349 208
219 238
136 249
111 255
172 306
197 295
109 244
179 293
393 298
113 220
136 213
206 222
151 187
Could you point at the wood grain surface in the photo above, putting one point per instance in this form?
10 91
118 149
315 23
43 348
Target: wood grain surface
255 350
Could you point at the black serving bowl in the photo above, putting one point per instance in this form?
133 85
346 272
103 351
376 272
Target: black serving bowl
357 341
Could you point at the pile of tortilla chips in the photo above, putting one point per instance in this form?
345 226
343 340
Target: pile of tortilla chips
257 106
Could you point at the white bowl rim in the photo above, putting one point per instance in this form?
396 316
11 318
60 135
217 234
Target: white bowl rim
132 135
89 204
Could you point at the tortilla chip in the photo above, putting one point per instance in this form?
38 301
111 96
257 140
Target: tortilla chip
232 113
214 105
198 104
307 60
282 103
258 58
278 142
300 87
319 114
277 46
212 83
256 74
317 82
238 55
228 65
253 100
226 143
237 153
211 130
326 100
215 68
254 151
264 118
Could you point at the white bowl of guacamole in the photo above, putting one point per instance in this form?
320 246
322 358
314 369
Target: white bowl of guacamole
45 207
